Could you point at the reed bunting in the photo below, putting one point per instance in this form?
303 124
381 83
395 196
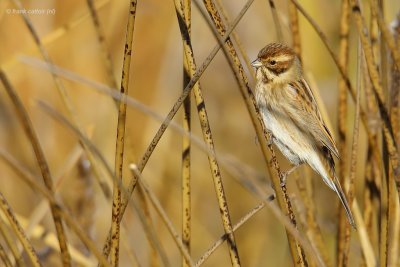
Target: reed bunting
291 115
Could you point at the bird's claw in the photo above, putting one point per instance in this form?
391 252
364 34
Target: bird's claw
283 179
270 142
285 174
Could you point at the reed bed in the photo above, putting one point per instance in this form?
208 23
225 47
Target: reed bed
130 134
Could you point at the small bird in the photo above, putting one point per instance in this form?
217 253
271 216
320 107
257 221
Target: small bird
290 113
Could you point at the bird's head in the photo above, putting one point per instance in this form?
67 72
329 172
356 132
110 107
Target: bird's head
277 63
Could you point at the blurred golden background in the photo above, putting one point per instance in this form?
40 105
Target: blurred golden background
67 32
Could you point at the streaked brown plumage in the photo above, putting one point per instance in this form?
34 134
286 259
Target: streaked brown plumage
291 114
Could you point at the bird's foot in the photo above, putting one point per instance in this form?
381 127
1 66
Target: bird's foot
283 179
270 141
268 134
284 175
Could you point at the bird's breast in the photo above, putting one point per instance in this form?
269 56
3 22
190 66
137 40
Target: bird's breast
292 142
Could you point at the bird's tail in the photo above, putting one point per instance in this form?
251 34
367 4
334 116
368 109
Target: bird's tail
332 181
342 197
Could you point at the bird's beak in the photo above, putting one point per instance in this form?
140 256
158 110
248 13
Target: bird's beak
256 63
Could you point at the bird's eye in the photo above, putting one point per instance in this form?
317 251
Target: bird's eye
272 62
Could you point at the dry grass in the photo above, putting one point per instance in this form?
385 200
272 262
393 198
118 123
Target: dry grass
189 185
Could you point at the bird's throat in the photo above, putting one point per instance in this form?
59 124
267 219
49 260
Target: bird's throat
265 77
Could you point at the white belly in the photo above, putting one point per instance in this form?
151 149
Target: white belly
293 143
284 139
295 148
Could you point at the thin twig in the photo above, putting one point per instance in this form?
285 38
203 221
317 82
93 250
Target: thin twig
120 144
224 237
184 9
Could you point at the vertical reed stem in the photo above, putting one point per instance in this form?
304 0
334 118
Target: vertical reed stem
119 151
185 10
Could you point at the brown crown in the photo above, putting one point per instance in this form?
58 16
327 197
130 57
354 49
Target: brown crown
275 49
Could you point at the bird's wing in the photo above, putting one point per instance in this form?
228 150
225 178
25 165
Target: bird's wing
305 113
